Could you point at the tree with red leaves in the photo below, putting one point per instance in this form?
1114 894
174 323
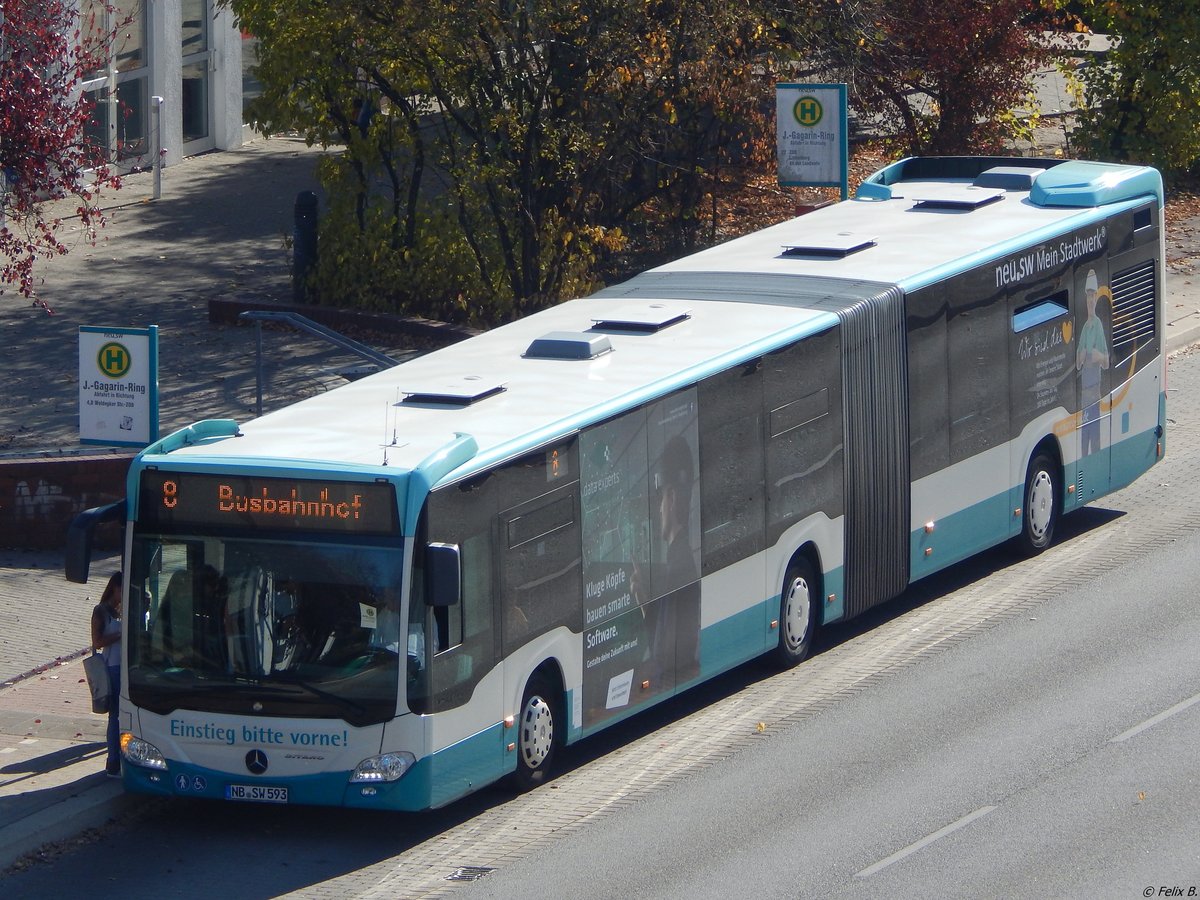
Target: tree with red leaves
44 152
946 76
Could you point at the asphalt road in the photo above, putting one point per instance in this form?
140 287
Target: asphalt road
1025 762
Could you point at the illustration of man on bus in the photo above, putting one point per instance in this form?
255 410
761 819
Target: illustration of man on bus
1091 359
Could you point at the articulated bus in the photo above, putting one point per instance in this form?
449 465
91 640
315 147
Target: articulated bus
432 578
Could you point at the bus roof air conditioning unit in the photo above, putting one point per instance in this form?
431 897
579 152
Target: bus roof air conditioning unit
1008 178
568 345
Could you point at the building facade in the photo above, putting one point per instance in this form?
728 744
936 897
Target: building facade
175 80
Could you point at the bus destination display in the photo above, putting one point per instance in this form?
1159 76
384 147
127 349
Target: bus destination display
175 500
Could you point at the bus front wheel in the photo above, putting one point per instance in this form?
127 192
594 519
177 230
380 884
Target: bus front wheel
798 611
1042 499
538 734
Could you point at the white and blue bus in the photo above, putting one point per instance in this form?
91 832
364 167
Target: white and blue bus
392 594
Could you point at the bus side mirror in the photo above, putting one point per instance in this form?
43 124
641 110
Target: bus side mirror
443 575
79 539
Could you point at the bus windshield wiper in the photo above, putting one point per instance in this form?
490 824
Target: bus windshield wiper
216 685
282 687
240 684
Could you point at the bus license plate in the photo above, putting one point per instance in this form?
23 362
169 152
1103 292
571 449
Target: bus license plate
256 793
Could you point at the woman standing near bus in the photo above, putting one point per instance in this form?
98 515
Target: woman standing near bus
106 640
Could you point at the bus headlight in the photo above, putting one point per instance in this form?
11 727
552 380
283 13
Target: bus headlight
138 752
386 767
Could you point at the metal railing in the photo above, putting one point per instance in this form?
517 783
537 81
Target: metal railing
303 323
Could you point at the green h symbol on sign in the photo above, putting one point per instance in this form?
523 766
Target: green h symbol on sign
114 359
808 111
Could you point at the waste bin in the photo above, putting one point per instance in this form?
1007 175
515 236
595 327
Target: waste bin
304 243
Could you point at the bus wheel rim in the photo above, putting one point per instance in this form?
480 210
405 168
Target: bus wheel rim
537 732
797 613
1041 504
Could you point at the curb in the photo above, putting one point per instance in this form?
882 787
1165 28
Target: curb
1182 339
95 802
69 656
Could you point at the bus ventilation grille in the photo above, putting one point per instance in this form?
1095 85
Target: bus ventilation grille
1134 306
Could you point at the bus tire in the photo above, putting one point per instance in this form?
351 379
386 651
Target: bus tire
539 727
1042 501
798 611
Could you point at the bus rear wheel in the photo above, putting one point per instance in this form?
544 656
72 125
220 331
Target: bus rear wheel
1042 498
797 614
538 733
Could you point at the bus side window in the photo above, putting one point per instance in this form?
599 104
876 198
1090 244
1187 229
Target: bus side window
802 391
540 561
466 620
929 398
457 644
732 505
978 374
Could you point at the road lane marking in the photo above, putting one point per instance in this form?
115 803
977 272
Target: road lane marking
925 842
1154 720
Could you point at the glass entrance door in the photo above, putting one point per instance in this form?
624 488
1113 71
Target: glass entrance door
196 46
119 87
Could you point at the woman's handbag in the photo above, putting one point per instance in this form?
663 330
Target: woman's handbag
97 679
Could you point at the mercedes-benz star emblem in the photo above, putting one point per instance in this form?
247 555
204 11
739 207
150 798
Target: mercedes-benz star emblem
256 762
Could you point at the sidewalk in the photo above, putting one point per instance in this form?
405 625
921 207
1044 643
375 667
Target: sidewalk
52 751
52 783
218 231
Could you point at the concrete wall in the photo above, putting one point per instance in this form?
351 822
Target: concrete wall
40 496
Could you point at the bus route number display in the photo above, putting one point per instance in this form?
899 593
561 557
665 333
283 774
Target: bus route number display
176 500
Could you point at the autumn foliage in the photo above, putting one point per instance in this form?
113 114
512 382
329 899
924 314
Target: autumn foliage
942 77
1141 95
44 155
496 153
500 156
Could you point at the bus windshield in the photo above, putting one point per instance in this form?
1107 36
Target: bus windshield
258 626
